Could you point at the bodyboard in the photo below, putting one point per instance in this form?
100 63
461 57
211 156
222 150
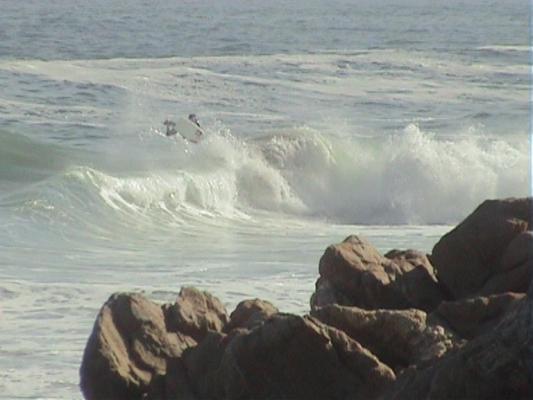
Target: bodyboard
189 130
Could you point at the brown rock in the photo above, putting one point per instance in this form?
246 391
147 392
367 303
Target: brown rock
195 313
354 273
496 365
399 338
474 316
126 354
290 357
250 313
417 281
467 257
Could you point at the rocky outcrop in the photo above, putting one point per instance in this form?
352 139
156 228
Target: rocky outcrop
133 340
495 365
287 357
381 327
399 338
354 273
472 317
487 253
126 354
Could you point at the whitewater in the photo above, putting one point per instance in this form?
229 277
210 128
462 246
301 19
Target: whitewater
392 121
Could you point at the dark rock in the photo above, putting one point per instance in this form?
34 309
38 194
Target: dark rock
354 273
474 258
475 316
203 362
290 357
399 338
495 365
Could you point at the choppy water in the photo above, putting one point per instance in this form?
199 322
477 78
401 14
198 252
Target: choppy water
323 119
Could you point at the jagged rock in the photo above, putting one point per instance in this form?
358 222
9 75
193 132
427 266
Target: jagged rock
195 313
250 313
126 354
495 365
292 357
474 257
355 273
399 338
285 357
474 316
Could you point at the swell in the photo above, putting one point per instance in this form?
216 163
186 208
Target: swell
25 160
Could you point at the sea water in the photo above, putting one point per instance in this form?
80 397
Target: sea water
391 120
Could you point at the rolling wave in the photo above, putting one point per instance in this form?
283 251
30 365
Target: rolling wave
410 177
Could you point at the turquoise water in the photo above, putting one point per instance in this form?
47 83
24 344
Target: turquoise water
393 121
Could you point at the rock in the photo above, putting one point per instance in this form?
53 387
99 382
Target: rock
516 267
474 316
399 338
518 251
495 365
292 357
469 256
126 354
355 273
195 313
250 313
417 281
202 365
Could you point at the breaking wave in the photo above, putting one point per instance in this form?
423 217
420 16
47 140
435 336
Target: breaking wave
412 177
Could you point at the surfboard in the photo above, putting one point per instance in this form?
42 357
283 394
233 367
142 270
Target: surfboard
189 130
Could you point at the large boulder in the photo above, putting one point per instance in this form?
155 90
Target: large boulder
477 315
399 338
355 273
285 357
495 365
292 357
135 342
126 354
489 252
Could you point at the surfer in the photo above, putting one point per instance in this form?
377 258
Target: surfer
171 129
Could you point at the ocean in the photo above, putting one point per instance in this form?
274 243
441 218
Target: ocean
323 119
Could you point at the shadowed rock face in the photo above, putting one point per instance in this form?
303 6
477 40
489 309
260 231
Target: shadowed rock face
354 273
488 252
290 357
496 365
477 315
